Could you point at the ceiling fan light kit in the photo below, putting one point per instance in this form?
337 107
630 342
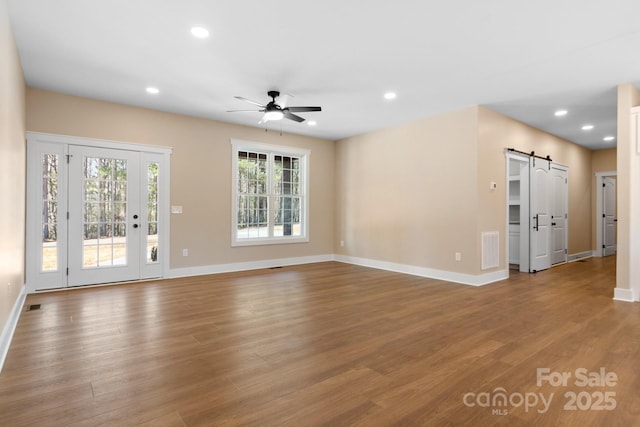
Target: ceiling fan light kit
273 111
272 115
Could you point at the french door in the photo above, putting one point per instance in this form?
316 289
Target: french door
94 215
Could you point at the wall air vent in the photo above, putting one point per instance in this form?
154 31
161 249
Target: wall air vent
490 249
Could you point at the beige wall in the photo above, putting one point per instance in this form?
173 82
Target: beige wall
417 193
604 160
627 187
601 161
407 194
496 133
12 170
200 172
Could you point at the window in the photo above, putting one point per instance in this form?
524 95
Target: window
269 194
49 218
152 212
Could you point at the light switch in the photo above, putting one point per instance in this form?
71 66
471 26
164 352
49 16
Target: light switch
176 209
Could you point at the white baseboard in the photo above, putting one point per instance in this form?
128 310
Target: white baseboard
626 295
580 255
465 279
244 266
10 326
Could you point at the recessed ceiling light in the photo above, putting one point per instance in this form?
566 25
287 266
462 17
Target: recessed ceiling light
153 90
560 113
609 138
312 123
200 32
390 95
587 127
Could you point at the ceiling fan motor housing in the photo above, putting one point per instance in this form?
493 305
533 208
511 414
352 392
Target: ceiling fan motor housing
273 94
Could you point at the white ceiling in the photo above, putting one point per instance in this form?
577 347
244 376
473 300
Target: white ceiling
522 58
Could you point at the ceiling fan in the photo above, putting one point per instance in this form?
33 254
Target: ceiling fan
273 111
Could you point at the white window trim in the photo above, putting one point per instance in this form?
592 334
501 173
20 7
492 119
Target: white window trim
304 155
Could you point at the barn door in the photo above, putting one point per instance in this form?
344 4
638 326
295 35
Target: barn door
540 214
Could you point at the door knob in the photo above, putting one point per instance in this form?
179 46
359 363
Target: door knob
135 226
135 216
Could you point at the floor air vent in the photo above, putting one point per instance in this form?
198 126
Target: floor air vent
32 307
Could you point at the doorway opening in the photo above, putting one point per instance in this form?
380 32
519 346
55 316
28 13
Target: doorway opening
97 212
537 212
606 216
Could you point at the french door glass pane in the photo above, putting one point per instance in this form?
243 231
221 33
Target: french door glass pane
104 212
49 221
152 209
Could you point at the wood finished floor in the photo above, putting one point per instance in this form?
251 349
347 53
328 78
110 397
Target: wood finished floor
321 344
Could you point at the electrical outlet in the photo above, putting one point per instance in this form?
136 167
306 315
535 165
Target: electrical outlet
185 252
458 256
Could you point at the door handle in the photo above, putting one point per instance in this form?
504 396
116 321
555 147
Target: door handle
535 227
553 223
135 225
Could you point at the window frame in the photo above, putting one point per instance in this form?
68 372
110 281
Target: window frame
271 151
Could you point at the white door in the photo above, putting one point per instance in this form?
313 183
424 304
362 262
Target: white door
95 215
104 215
540 214
559 214
609 217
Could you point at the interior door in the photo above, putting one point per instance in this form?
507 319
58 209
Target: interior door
609 216
559 214
540 214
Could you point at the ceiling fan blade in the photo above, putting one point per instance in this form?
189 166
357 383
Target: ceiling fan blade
293 117
303 109
248 100
245 111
